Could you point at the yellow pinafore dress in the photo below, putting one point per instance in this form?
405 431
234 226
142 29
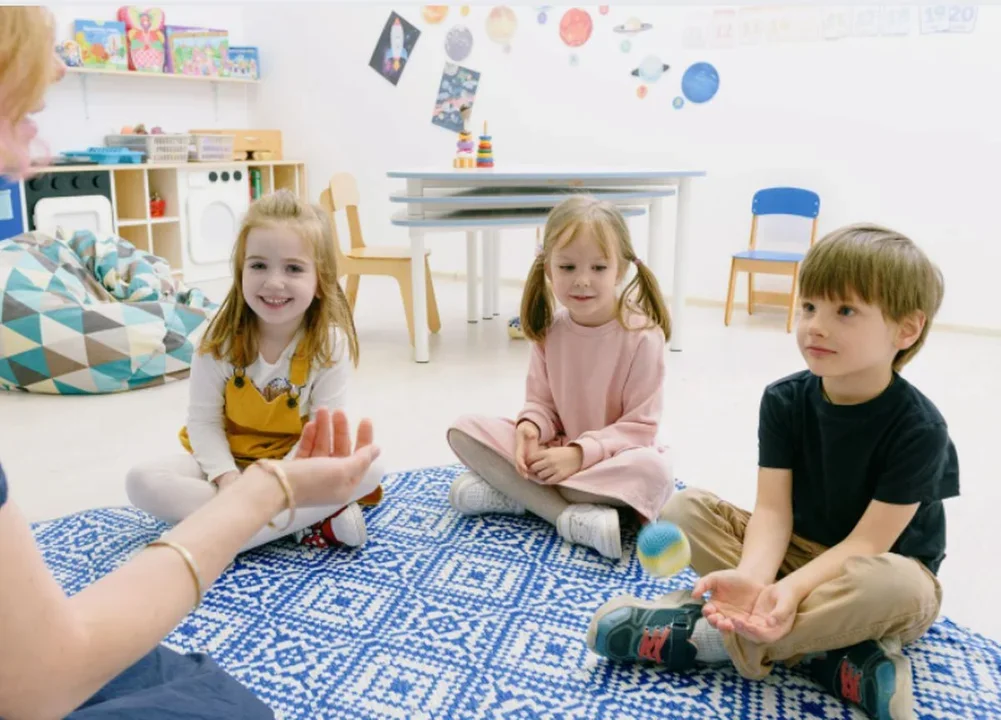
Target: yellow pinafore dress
261 429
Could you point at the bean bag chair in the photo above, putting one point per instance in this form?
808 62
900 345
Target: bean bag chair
93 315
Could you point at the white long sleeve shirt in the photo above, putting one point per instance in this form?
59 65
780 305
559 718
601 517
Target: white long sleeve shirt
325 387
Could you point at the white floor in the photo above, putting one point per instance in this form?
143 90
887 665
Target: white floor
64 454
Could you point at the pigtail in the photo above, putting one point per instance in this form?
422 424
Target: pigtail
537 305
643 295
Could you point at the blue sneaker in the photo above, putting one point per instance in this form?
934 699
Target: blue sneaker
861 674
657 631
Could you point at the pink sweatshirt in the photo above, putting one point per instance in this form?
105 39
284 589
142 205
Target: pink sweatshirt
600 387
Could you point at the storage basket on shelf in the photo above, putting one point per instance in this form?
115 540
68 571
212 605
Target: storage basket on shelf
212 148
164 148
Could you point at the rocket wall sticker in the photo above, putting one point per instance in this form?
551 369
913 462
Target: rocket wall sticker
393 50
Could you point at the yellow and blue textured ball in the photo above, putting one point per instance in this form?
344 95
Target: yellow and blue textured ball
663 549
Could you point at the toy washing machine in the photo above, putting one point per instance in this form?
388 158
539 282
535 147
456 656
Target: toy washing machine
214 201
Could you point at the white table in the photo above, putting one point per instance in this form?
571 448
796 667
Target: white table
487 200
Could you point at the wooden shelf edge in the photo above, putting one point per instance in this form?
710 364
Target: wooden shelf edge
172 76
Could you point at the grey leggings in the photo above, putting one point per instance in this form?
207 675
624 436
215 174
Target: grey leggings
546 501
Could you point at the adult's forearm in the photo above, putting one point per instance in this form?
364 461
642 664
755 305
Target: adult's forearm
128 612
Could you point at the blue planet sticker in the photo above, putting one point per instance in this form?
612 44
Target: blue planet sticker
678 102
700 82
626 46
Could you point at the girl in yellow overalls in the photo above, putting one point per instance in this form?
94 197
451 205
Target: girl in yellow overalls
280 347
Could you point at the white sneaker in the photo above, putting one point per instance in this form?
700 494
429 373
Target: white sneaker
472 495
596 526
349 526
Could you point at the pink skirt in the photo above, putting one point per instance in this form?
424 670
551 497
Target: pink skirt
640 477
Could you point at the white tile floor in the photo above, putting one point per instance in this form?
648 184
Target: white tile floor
65 454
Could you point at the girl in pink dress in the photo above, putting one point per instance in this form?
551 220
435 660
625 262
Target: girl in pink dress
585 441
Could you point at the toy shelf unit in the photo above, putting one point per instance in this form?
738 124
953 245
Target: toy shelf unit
192 224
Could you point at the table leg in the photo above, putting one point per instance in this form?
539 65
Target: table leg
655 242
682 236
420 309
495 283
472 274
488 274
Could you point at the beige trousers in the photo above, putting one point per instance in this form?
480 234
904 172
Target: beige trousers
888 597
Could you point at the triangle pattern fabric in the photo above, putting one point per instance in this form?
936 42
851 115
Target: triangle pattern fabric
63 332
173 342
94 321
28 326
54 332
72 348
173 365
65 389
71 317
13 309
29 298
105 380
59 364
44 386
13 343
190 319
39 278
82 381
29 367
153 365
18 280
99 353
145 338
121 340
6 374
137 314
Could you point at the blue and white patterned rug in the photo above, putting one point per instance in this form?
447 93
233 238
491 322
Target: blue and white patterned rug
441 616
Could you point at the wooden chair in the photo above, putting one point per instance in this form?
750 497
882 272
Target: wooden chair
361 259
773 201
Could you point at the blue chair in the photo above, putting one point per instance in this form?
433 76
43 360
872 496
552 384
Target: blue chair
773 201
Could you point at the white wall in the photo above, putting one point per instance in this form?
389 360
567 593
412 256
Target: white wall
899 130
116 101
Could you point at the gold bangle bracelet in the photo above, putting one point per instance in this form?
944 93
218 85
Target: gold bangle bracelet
278 472
189 560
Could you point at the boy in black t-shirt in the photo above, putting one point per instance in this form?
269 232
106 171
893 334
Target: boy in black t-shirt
836 565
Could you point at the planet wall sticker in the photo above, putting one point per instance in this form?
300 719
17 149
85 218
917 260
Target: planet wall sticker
458 43
700 83
543 13
632 26
434 14
649 71
501 25
576 27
